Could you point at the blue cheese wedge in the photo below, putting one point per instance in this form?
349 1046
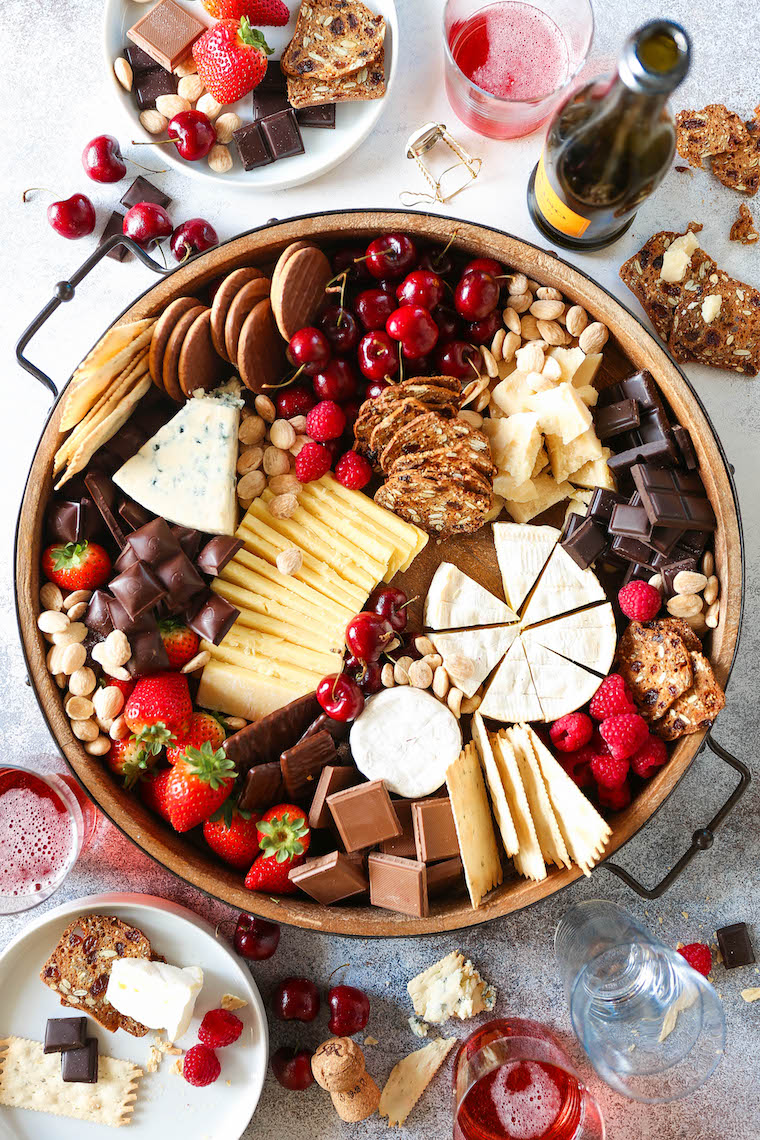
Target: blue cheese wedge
186 472
450 988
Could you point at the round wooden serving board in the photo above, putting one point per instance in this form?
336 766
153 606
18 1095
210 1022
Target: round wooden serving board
630 349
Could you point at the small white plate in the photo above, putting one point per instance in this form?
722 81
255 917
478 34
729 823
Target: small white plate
323 149
166 1105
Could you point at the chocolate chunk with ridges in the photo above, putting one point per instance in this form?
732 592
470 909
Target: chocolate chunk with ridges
602 503
265 740
443 877
189 539
148 653
103 493
166 32
686 447
630 520
134 515
402 845
126 559
263 786
632 550
154 542
585 542
98 615
330 878
435 835
735 945
64 1033
692 544
180 579
332 779
72 521
151 84
616 418
121 619
138 589
213 618
302 764
80 1066
252 146
217 553
673 498
142 190
282 134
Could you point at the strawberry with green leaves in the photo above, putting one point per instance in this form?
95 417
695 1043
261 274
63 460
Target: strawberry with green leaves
284 838
76 565
262 13
198 785
180 643
204 726
161 703
231 58
133 757
231 833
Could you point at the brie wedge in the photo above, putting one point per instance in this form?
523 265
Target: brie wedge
511 695
154 993
560 685
563 586
522 552
587 637
455 601
470 655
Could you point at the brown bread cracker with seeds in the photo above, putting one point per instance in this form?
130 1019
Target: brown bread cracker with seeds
739 167
362 85
713 130
441 506
430 432
731 340
743 229
658 298
333 38
656 665
697 708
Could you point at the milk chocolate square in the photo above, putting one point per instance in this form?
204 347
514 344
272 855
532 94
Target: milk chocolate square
435 835
398 884
403 844
330 878
332 779
364 815
166 33
444 877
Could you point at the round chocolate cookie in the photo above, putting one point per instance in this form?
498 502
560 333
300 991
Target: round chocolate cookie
170 366
161 333
298 289
244 301
261 357
223 298
200 365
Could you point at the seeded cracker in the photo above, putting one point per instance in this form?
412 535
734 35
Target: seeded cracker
410 1078
472 819
695 709
654 661
743 229
333 38
710 131
365 84
658 298
739 167
731 339
31 1079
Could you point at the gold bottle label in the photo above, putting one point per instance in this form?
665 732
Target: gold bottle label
554 210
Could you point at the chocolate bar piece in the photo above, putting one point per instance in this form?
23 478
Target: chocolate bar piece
64 1033
180 579
154 542
398 884
98 616
670 569
403 844
152 84
616 418
213 618
630 520
274 79
673 498
217 553
584 541
444 877
139 60
134 515
103 494
282 134
602 503
636 571
263 787
269 102
658 452
303 763
138 589
80 1066
735 945
330 878
166 33
331 779
142 190
252 146
686 447
364 815
145 623
72 521
126 559
265 740
188 538
632 550
148 653
435 835
692 544
320 115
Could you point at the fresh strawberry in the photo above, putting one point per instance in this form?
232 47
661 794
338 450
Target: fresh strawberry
268 875
153 791
124 687
231 59
160 701
263 13
284 832
231 833
76 565
199 784
204 726
132 758
180 643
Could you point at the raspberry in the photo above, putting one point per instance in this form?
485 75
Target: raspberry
651 756
615 798
611 698
639 601
698 956
200 1066
578 765
312 462
219 1027
571 732
608 771
624 734
353 471
326 420
295 401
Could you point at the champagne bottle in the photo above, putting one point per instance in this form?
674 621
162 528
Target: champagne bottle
611 143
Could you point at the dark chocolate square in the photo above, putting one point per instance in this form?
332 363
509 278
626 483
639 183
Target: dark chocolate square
114 226
139 60
273 80
269 103
64 1033
735 945
150 84
252 146
80 1066
142 190
138 589
282 134
323 115
584 542
213 618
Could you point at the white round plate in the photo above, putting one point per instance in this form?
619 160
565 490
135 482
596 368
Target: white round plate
166 1105
323 149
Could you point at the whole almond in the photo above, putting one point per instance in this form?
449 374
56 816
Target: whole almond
489 362
285 485
282 434
289 561
299 445
656 581
689 582
529 328
454 701
283 506
474 419
51 597
712 589
251 485
79 708
401 670
387 679
576 320
61 680
82 682
420 675
75 598
423 645
108 702
76 631
460 666
518 283
511 319
708 567
235 722
73 658
434 660
252 430
551 369
249 459
441 682
200 661
547 293
533 286
471 704
117 647
276 462
266 409
186 66
171 105
98 747
190 87
520 302
53 621
209 106
153 121
551 331
512 342
226 125
530 358
497 342
119 730
684 605
54 657
482 402
123 72
219 158
547 310
697 623
713 615
298 423
85 730
593 338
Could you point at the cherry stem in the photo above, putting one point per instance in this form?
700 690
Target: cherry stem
338 969
34 190
400 365
450 242
154 142
147 169
409 601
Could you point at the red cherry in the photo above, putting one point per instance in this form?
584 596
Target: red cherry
292 1068
476 295
340 697
375 389
255 938
367 635
486 265
392 255
420 366
295 999
483 331
367 674
72 217
340 327
192 133
102 159
295 401
337 381
352 261
449 323
422 287
373 307
309 349
193 236
390 603
414 328
349 1010
457 358
146 223
439 260
351 409
377 355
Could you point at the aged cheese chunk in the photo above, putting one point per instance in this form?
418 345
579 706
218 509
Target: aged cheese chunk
677 257
450 988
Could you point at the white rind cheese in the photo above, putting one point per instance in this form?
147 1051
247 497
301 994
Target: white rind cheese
469 655
522 552
186 472
587 637
511 695
154 993
562 587
455 601
561 685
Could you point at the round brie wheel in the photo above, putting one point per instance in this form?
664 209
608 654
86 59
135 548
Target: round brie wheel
408 739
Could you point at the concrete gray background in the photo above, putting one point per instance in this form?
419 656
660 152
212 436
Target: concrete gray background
55 98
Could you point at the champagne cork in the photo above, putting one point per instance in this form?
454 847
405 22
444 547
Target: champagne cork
338 1067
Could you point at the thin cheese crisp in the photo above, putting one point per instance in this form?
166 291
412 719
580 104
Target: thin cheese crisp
472 819
549 835
529 861
410 1078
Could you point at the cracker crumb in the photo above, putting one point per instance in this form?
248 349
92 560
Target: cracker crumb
230 1002
371 1041
177 1067
744 229
751 994
154 1059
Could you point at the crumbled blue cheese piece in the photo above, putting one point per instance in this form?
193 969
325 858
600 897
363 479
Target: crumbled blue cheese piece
418 1027
450 988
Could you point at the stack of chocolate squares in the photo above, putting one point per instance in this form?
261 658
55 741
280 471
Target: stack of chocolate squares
275 132
79 1053
161 40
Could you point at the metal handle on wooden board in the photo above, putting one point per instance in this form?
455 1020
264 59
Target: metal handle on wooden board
65 290
702 840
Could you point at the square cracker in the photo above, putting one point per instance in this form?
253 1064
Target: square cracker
474 827
32 1079
710 131
654 661
695 709
333 38
732 339
739 167
410 1077
658 298
362 85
